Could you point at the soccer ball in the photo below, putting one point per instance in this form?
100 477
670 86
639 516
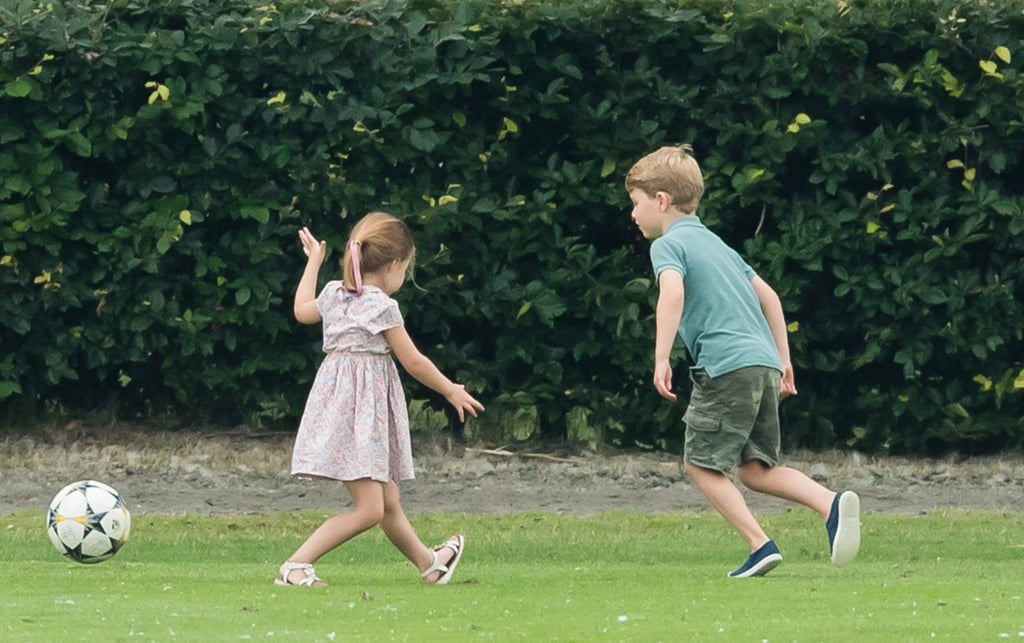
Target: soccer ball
88 521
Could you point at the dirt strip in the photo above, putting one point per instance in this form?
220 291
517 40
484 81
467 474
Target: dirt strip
243 472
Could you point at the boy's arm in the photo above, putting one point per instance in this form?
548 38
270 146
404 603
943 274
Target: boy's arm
305 309
771 306
667 316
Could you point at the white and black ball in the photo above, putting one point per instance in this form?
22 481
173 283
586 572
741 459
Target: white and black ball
88 521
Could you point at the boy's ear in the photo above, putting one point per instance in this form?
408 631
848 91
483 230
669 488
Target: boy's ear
664 200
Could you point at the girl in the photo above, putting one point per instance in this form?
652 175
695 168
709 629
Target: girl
355 427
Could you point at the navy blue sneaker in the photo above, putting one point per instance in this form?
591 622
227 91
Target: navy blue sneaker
843 527
760 562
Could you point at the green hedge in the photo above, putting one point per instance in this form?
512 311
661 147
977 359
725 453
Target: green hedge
157 158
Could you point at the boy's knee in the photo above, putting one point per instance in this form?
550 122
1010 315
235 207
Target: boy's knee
752 472
697 471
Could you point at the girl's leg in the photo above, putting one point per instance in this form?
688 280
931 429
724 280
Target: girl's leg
368 510
787 483
402 535
729 502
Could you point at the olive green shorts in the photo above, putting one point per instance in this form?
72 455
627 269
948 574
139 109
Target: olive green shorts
733 418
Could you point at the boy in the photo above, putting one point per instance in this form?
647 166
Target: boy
734 330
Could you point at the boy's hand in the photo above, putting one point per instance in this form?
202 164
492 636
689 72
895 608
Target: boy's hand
315 250
663 379
788 386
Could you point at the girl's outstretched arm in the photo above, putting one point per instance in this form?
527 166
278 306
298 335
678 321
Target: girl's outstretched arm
305 308
420 367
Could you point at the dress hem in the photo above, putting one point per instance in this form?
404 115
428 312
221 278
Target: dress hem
321 476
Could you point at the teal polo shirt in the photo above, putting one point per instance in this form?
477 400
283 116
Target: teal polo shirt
723 326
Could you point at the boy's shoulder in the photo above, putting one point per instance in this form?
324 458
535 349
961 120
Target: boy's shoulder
688 243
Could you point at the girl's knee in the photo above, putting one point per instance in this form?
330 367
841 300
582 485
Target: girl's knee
392 498
369 518
369 498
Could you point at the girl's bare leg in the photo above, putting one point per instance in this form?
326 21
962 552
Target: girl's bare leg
368 510
402 535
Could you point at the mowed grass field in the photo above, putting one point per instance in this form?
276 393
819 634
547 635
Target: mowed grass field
532 577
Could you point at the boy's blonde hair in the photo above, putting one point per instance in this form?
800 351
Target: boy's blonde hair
382 238
672 170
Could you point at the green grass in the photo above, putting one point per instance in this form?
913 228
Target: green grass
612 577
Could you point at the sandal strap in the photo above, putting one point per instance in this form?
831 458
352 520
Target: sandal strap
452 543
455 544
307 569
436 566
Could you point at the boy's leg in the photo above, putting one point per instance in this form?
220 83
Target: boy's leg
787 483
841 511
729 501
721 414
759 470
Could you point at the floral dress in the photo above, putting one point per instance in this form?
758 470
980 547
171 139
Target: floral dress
355 424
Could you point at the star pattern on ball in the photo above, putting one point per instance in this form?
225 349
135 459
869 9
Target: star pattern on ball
88 521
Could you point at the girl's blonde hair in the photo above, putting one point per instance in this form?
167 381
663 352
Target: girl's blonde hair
380 238
672 170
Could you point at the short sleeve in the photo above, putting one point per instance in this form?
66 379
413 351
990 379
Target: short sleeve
329 298
667 254
387 316
748 271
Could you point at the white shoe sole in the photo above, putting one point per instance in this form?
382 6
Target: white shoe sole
763 566
847 540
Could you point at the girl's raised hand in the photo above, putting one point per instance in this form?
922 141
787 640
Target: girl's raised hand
315 250
463 401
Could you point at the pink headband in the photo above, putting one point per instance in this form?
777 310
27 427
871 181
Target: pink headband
353 249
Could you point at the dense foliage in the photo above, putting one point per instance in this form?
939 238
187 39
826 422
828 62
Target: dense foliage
157 158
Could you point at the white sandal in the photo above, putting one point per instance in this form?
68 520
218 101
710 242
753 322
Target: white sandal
456 544
310 578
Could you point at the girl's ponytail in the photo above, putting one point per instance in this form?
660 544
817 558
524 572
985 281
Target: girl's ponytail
376 240
352 265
